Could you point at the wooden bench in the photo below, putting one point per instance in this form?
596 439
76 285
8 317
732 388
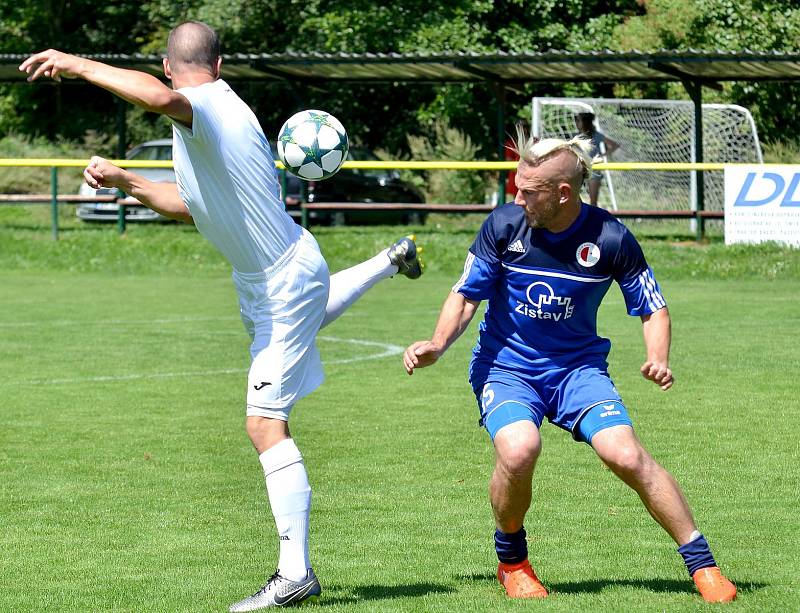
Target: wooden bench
48 198
483 208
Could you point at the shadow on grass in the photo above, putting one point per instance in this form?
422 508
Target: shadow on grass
365 593
595 586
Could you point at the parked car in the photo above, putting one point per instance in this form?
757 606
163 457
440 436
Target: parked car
108 211
348 185
357 185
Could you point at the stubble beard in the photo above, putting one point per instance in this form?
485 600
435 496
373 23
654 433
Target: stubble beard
542 221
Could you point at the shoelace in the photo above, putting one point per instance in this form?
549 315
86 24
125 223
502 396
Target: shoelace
263 590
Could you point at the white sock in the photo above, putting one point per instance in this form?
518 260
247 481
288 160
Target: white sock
694 535
290 498
350 284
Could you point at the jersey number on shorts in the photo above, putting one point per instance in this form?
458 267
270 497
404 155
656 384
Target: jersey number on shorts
487 397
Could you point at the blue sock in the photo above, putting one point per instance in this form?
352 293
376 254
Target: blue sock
697 554
511 548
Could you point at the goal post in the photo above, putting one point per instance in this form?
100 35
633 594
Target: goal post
656 131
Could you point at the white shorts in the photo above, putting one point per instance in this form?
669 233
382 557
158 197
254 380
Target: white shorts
282 309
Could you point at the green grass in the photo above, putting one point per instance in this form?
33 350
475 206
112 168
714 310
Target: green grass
127 482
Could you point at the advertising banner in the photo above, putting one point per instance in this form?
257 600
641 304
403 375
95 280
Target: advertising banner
762 203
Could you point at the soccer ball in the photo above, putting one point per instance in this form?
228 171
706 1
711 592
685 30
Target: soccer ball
313 145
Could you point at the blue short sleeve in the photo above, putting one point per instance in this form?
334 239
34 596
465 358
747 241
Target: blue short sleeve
478 280
482 266
636 279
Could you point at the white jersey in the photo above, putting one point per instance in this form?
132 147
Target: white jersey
226 176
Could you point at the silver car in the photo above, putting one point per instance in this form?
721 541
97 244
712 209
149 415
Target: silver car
109 211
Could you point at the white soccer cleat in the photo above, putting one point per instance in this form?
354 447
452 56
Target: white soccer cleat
279 591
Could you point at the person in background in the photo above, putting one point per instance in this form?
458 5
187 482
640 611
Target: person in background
601 148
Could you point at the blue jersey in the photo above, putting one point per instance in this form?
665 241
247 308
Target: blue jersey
544 288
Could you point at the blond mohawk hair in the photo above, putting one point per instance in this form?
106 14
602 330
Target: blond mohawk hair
534 151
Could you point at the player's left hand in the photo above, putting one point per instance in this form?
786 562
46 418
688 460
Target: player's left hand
102 173
658 373
53 64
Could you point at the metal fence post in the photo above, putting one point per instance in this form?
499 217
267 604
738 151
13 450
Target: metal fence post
54 201
120 213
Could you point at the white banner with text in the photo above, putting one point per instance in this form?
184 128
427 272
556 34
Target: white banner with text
762 203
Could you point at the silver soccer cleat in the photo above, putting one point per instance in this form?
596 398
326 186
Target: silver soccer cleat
404 255
279 591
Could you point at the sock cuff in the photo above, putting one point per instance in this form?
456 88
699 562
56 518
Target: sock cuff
696 555
511 548
280 456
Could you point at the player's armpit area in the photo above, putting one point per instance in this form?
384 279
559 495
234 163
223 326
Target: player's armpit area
179 109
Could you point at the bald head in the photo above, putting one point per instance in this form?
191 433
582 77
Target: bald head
193 47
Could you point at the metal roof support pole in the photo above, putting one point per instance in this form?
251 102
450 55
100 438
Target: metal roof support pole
500 94
695 89
122 148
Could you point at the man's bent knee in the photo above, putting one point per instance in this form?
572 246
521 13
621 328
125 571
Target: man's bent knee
621 451
517 447
265 432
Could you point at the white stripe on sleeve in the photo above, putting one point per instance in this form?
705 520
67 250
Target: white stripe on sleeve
467 268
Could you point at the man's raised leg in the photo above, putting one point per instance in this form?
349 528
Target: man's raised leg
350 284
517 447
622 452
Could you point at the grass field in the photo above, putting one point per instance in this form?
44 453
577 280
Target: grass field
127 482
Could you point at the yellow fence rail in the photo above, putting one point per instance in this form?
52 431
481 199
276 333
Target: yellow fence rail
386 164
55 163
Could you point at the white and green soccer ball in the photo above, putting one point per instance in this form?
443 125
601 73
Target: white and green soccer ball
313 145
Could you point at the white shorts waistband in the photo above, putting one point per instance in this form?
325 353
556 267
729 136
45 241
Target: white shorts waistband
277 266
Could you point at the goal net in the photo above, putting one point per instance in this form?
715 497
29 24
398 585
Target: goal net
656 131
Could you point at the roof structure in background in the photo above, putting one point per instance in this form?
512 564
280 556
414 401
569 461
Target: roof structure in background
510 68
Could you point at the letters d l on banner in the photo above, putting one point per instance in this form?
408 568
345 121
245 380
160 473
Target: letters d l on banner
762 203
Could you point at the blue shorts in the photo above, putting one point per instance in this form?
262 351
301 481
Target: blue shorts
581 400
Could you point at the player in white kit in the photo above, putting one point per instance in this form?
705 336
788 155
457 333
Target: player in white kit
227 186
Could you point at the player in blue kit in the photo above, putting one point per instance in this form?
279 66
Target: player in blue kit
545 263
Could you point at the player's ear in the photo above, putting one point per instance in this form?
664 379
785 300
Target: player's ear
218 68
564 192
167 69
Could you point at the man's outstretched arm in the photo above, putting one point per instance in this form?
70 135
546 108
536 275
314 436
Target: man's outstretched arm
657 330
454 318
163 198
138 88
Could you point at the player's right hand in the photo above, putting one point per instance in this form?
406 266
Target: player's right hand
420 355
53 64
102 173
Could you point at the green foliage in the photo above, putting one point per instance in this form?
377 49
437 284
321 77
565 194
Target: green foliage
444 142
781 152
381 115
728 25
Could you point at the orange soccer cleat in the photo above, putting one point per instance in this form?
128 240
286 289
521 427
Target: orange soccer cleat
713 585
520 581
